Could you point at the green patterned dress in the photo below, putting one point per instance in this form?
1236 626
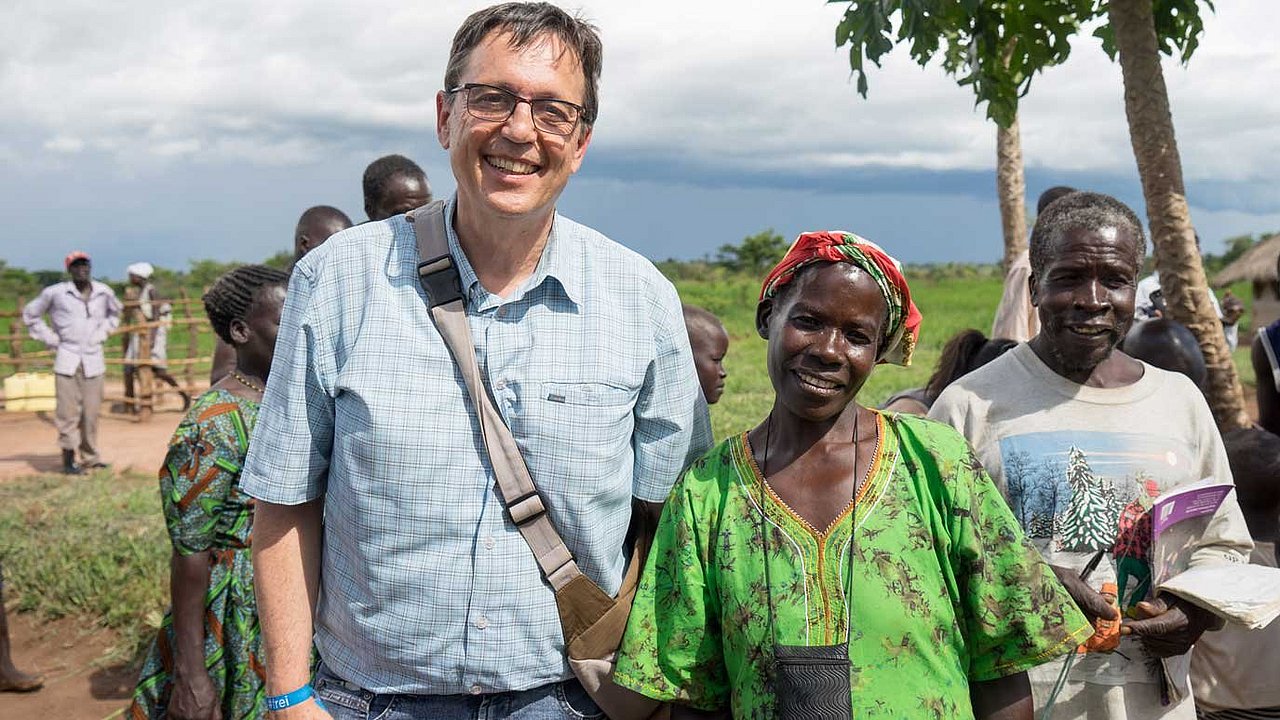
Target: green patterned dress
945 590
206 511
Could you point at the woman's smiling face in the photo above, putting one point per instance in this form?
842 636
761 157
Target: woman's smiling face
824 334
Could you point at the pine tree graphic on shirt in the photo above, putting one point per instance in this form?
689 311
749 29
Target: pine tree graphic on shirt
1089 522
1040 526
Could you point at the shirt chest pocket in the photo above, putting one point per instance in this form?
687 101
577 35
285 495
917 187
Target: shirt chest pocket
586 394
588 419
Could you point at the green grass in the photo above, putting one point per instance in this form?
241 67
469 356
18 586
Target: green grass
92 547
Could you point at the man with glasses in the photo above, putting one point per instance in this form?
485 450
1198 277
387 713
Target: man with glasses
424 600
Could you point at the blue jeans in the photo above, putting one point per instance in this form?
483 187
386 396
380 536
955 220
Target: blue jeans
557 701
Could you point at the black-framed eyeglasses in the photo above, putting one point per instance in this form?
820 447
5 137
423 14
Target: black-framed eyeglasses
494 104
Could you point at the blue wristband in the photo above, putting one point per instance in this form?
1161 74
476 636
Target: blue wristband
297 697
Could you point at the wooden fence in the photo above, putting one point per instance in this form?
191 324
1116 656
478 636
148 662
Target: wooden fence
189 367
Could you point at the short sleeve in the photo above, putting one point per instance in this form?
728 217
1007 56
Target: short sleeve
672 425
198 474
951 408
1226 540
1013 611
671 650
288 462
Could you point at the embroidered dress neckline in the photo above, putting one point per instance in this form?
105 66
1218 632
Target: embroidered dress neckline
873 471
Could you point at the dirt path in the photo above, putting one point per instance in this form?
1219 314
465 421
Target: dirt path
80 684
29 442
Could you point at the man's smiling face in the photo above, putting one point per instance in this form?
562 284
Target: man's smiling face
510 169
1085 296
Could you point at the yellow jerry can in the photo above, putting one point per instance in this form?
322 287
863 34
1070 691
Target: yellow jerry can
29 392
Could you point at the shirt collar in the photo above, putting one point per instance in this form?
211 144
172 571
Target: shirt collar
95 288
561 261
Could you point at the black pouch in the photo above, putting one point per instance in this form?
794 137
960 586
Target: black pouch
811 682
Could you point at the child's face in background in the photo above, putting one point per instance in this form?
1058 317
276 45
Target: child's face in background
710 344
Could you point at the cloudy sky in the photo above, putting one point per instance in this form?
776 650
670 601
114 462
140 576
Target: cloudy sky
175 131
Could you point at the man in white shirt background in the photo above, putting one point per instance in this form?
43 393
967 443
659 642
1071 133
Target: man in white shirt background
81 313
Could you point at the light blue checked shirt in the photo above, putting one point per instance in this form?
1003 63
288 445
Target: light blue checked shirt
427 587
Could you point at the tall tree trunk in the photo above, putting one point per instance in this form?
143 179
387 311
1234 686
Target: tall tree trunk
1012 190
1146 103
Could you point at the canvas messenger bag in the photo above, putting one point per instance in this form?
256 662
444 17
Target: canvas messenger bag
592 621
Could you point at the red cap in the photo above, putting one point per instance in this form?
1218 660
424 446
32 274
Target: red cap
76 257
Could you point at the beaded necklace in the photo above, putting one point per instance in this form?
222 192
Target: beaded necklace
235 374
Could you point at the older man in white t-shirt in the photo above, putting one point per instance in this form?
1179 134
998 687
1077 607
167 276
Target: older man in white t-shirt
1079 435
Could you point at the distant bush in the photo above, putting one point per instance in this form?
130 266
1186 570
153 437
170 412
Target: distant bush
677 270
16 281
954 271
756 254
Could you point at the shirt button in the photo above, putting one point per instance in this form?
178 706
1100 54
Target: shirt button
482 622
488 542
502 311
475 690
500 385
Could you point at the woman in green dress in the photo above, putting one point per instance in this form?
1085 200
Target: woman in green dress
834 530
206 662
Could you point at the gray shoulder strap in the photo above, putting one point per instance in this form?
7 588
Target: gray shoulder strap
439 278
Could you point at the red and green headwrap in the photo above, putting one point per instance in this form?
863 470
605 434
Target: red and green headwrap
903 325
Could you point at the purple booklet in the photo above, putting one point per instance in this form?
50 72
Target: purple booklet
1179 519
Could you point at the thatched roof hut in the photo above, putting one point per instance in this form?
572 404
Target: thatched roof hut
1257 264
1258 267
